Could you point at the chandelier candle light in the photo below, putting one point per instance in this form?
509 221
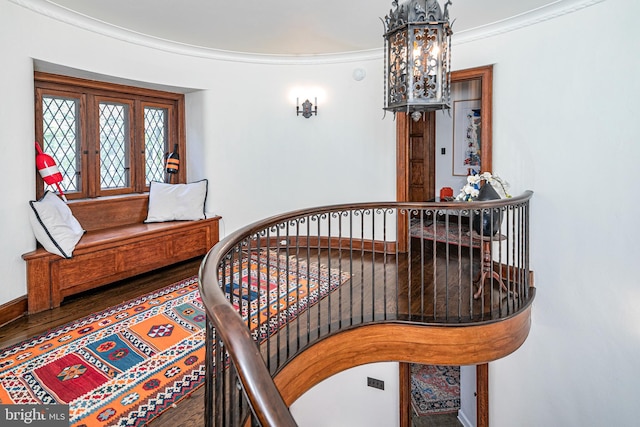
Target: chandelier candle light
417 57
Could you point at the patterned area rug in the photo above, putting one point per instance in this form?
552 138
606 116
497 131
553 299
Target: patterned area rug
437 231
126 365
435 389
299 287
122 366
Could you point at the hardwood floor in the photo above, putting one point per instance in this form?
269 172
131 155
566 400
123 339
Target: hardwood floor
190 411
440 420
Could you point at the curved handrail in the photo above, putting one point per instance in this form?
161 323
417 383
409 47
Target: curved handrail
232 331
266 401
232 239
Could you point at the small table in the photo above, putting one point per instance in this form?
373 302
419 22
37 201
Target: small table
486 272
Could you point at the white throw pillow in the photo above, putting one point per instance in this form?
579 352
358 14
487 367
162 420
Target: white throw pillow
177 202
54 225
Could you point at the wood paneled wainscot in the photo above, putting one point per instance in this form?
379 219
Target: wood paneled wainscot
117 245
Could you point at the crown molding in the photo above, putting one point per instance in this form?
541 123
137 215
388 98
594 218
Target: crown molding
62 14
68 16
532 17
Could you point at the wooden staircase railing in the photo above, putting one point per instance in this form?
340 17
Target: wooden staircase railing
361 283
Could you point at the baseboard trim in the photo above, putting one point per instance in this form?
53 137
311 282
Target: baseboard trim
13 310
464 420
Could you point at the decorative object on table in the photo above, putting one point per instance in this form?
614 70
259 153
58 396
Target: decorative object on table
417 57
483 187
446 194
487 222
471 189
49 170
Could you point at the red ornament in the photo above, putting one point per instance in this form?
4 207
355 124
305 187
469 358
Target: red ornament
48 170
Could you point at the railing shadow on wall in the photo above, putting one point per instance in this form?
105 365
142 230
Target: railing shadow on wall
279 287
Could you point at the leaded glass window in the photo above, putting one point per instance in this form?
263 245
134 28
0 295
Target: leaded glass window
60 138
155 143
107 139
114 145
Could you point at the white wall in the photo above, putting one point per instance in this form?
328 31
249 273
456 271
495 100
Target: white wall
564 115
345 400
564 111
468 411
263 159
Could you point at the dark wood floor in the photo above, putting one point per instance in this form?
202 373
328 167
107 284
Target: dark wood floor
359 299
189 412
437 420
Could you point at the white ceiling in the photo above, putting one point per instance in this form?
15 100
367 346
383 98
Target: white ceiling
281 27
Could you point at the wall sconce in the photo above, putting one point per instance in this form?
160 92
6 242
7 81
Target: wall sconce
308 109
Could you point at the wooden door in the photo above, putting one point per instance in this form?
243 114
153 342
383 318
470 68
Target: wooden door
422 164
420 179
413 172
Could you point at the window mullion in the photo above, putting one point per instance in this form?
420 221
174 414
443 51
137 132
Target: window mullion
82 167
137 148
91 155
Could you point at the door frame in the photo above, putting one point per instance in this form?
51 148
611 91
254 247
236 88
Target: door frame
485 75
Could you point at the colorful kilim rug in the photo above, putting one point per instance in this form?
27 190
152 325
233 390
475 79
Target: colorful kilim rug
299 287
127 364
122 366
435 389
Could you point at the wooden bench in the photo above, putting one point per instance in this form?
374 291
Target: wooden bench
117 245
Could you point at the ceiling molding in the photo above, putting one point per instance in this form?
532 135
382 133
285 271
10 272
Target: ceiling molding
48 9
85 22
532 17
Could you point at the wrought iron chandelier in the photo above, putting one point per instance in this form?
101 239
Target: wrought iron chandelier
417 57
